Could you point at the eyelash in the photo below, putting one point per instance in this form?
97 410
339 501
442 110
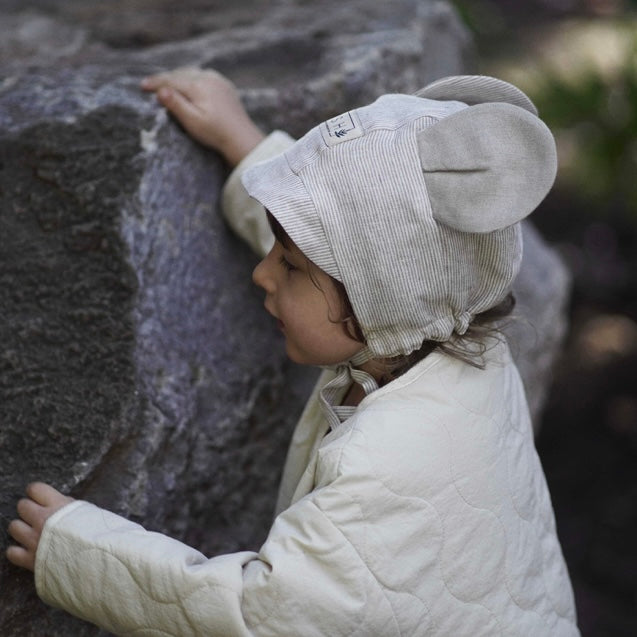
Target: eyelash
286 264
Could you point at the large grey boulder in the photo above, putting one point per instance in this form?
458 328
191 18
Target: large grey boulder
540 319
138 369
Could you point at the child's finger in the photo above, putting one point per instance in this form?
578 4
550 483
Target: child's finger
31 512
21 557
44 494
180 79
152 82
24 534
181 107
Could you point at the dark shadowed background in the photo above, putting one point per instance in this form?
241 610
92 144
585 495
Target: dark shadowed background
578 61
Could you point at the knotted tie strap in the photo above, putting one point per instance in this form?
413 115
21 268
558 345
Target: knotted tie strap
346 374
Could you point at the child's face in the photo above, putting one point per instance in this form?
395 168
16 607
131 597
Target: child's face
307 305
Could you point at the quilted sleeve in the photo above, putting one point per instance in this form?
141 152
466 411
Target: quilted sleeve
111 572
306 580
243 214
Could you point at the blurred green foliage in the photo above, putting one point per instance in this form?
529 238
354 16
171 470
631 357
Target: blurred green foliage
580 69
594 116
588 102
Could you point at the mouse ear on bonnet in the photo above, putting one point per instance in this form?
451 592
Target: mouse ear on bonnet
487 166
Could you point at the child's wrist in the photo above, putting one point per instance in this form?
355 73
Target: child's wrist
241 144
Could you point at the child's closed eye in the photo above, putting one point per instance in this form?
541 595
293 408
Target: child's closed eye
286 264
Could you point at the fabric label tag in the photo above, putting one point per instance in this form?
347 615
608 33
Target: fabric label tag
342 128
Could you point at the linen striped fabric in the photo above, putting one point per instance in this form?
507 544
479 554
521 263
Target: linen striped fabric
355 194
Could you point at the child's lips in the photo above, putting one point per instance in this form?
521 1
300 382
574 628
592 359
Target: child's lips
279 322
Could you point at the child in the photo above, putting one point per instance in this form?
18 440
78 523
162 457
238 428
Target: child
412 501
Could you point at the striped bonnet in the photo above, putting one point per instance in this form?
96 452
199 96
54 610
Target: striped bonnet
413 202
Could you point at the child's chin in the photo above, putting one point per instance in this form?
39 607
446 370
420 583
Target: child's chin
302 358
297 358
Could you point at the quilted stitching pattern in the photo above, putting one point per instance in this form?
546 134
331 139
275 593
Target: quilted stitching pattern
425 514
476 486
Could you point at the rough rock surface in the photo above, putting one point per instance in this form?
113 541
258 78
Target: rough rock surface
138 369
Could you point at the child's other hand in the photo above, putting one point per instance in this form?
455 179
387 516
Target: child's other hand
41 503
208 106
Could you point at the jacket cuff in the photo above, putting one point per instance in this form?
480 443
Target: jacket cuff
59 545
105 569
243 214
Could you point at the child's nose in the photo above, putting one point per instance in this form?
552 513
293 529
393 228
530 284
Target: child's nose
261 276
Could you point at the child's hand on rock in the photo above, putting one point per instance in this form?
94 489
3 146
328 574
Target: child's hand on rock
41 503
208 106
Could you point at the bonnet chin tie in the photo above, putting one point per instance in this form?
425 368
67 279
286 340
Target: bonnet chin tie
346 374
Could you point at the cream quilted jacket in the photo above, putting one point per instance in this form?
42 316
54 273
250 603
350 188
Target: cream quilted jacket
426 513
